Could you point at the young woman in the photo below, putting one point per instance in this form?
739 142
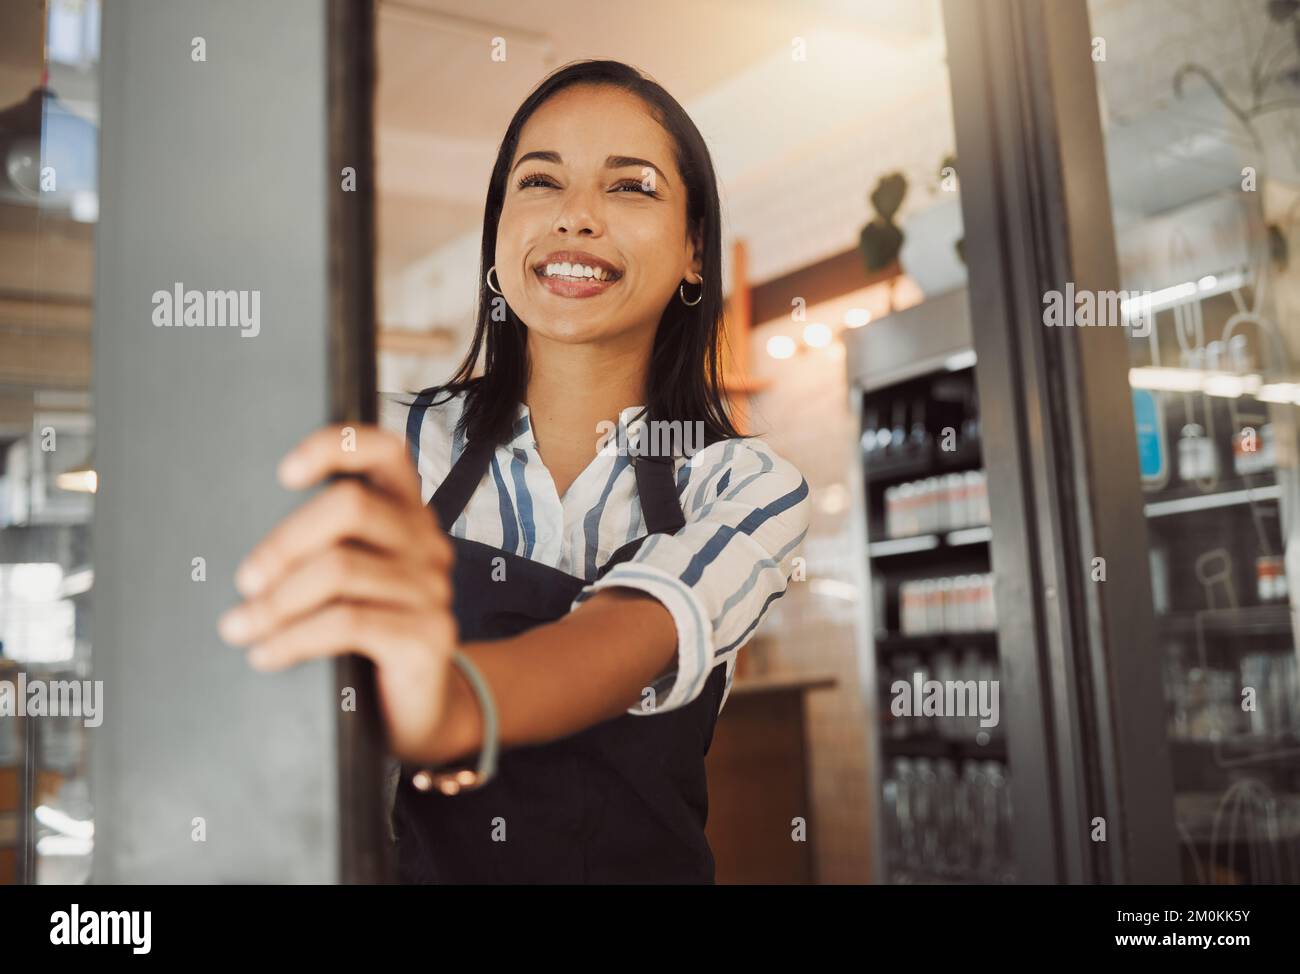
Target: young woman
591 587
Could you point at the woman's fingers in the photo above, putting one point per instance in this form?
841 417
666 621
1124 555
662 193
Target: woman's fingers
342 573
376 453
345 511
395 639
412 655
361 567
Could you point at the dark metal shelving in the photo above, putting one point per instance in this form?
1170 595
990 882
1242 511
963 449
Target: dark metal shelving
1249 620
933 746
921 462
932 642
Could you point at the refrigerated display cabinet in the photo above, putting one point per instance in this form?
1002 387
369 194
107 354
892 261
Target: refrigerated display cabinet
940 782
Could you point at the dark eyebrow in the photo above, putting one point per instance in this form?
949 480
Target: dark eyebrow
611 162
547 156
618 162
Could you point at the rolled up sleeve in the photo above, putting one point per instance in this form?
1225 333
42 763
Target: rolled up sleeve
746 513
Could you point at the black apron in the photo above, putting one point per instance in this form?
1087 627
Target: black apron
621 802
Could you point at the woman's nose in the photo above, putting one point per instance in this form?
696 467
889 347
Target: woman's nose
579 212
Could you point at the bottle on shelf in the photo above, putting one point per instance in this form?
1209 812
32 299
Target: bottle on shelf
1215 356
977 497
1239 358
1197 458
956 511
1270 579
905 522
933 598
947 605
986 612
962 603
945 670
1252 449
963 617
870 428
919 436
1158 558
898 431
936 504
931 517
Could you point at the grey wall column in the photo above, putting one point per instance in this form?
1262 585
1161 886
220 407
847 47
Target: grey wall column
1080 667
219 173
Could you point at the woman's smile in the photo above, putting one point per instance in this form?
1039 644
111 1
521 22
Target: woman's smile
570 287
576 274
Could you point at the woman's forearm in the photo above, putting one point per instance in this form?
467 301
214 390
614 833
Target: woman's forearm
557 679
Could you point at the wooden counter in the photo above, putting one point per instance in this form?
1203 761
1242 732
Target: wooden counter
758 782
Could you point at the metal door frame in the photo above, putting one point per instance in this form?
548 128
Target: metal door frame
1081 674
365 854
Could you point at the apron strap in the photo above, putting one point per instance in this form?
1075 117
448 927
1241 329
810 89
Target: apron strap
657 489
459 485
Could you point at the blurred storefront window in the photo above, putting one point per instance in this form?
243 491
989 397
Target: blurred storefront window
48 206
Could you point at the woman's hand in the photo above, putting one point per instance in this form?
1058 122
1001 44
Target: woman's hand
362 567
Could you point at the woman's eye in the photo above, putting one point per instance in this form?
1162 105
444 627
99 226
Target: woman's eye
534 180
633 184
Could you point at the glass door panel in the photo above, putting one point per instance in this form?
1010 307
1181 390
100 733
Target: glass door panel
1201 113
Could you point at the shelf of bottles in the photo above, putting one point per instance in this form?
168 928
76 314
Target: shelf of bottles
945 791
1213 494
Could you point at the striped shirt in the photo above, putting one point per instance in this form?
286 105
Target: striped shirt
746 512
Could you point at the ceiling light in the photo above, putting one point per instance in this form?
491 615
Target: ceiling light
1228 385
780 346
1165 379
817 335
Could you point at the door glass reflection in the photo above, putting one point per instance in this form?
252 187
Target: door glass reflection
1201 113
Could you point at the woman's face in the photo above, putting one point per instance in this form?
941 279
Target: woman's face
593 185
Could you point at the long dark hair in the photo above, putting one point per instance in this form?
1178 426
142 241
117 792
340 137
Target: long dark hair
684 379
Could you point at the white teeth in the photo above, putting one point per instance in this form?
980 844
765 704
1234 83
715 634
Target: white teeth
580 272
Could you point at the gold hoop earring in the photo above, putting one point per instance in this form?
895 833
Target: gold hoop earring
681 290
497 289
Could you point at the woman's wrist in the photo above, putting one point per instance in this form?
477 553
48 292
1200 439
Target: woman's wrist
458 778
459 734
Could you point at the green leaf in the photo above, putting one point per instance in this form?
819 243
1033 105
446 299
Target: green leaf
888 195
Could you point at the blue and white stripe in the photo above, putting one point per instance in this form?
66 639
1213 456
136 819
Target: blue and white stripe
746 513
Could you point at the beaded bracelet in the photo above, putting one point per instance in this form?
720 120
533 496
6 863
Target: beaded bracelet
467 779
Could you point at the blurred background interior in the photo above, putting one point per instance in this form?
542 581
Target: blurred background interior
852 351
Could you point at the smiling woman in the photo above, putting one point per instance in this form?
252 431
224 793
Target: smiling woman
602 167
594 599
